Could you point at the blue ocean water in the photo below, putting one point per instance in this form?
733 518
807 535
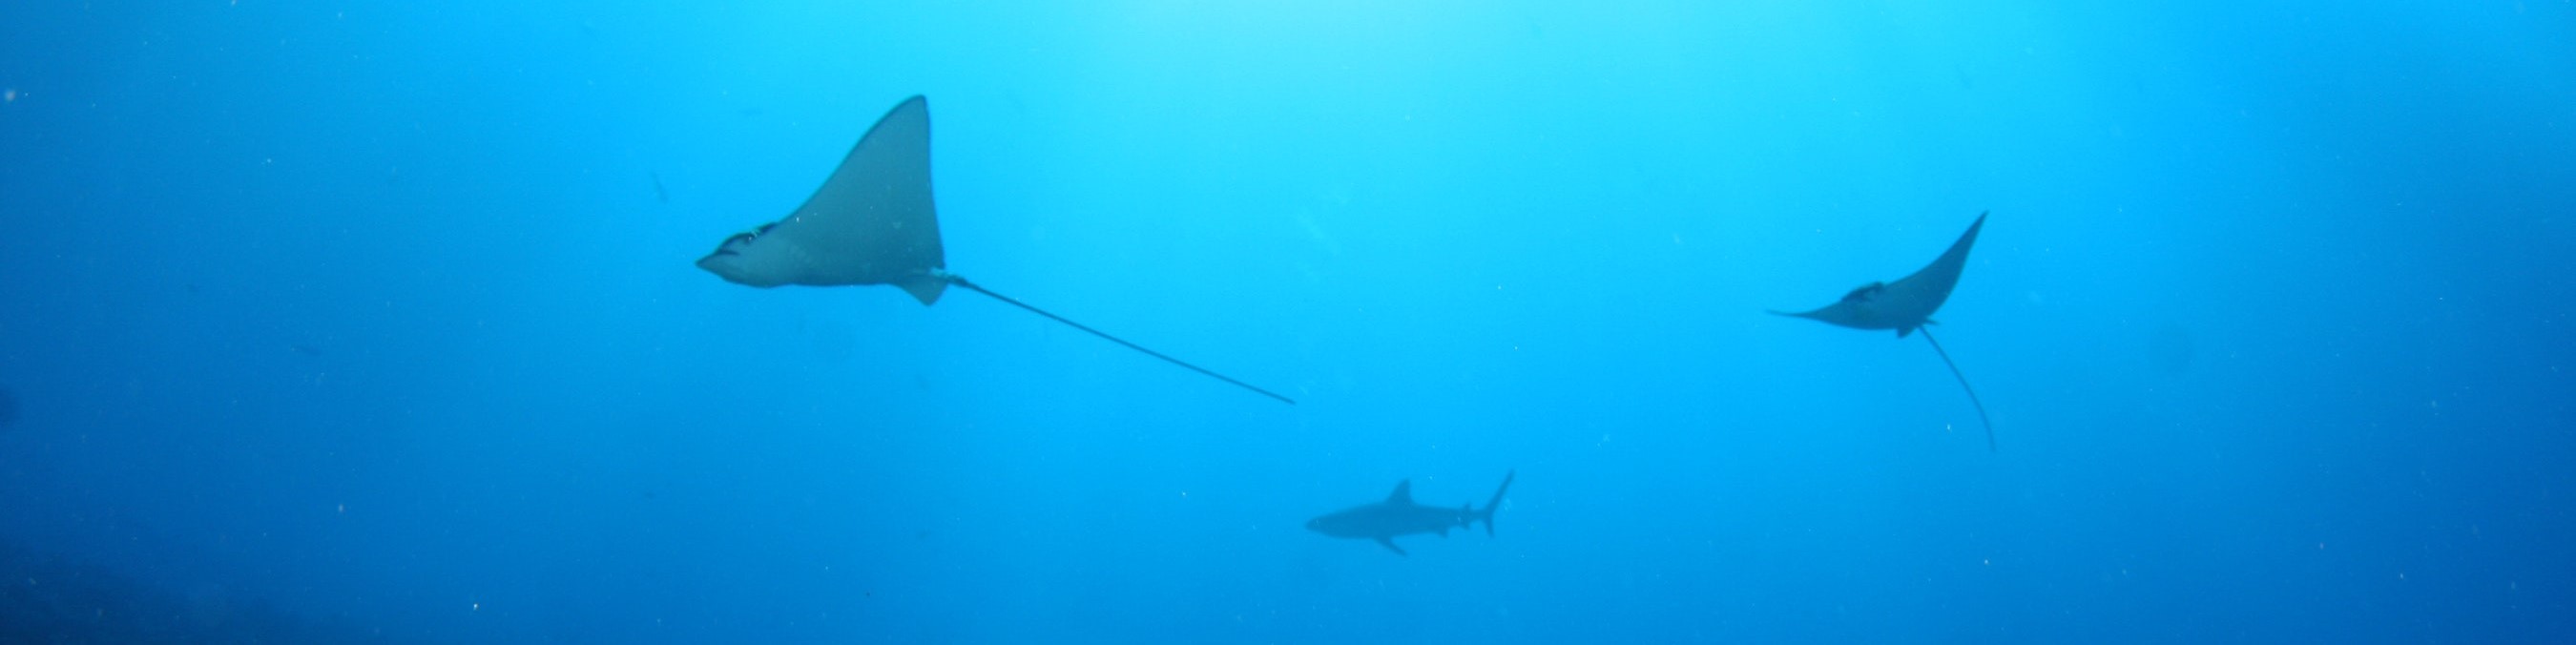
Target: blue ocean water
376 322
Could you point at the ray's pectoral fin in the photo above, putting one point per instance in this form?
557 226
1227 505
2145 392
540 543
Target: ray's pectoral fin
871 222
1390 545
1906 303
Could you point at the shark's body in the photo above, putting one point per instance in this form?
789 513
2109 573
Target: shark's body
1397 515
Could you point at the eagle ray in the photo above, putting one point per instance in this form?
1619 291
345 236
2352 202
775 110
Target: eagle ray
1906 306
871 223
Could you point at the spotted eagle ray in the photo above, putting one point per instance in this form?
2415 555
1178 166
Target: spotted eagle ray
1906 306
1398 515
872 223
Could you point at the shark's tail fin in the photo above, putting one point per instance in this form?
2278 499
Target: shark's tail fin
1497 502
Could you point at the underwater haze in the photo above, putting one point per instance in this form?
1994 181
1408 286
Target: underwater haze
372 321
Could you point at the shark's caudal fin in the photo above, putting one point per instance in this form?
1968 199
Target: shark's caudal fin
1497 502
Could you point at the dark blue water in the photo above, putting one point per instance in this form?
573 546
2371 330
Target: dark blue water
375 322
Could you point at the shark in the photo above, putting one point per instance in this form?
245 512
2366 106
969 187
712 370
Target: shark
1398 515
873 222
1906 306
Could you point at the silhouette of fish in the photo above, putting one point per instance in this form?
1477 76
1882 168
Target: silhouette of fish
873 223
1906 306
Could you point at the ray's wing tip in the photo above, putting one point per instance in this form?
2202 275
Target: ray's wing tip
916 104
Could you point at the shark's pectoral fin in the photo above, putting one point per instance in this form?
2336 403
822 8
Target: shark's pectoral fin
1390 545
1902 332
925 288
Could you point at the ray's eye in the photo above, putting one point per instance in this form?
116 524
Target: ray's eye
1865 292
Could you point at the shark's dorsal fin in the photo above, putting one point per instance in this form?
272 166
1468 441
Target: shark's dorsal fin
1403 493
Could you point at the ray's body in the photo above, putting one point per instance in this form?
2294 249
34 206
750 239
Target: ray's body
873 222
1906 306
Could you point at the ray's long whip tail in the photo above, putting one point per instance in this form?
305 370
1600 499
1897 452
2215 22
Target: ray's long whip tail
1963 384
960 281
